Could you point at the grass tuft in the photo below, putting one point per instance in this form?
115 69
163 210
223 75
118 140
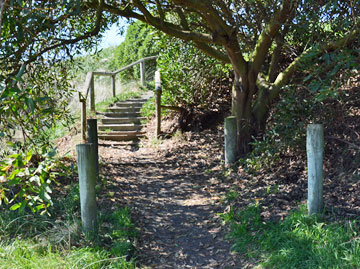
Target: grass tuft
56 241
299 241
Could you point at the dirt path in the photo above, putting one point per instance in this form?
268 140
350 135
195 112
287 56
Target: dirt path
175 201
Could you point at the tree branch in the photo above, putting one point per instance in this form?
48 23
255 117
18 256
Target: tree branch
275 58
284 77
161 12
166 27
182 17
237 60
212 52
93 32
265 39
221 31
2 8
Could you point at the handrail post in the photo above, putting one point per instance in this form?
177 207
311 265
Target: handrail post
158 103
92 138
142 72
83 117
92 93
113 85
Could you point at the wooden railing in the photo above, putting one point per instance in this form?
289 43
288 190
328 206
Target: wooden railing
89 88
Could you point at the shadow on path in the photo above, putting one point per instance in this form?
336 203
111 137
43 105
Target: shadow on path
175 204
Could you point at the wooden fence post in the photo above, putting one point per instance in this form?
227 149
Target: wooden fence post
92 93
113 85
83 120
230 134
92 137
142 73
315 149
158 103
87 182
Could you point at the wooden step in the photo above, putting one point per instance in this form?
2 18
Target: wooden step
129 104
122 114
120 127
134 100
123 109
122 133
136 120
126 143
122 120
120 137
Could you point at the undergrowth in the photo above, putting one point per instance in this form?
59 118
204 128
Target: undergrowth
56 241
299 241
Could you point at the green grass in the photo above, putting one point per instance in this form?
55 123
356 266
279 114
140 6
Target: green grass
56 241
148 109
299 241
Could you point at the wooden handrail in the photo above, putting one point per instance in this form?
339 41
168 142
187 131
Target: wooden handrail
89 88
104 73
87 84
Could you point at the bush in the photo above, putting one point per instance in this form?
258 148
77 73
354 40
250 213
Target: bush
141 41
310 99
188 74
25 180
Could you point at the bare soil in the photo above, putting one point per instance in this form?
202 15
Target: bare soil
174 198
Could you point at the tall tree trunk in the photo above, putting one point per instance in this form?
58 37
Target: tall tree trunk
249 122
251 114
241 108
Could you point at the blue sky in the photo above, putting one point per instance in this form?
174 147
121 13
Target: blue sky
112 36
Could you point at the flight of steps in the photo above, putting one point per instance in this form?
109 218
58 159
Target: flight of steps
122 120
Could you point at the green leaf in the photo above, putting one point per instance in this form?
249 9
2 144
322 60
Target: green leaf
19 161
21 71
37 208
23 205
28 156
30 103
15 181
9 143
16 206
52 153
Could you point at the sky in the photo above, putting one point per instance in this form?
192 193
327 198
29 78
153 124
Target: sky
112 36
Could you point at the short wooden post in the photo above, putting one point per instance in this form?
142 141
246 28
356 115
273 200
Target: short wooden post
87 182
315 149
113 85
92 137
92 93
83 120
230 134
158 92
142 73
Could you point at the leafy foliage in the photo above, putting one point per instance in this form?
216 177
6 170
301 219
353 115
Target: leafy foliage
38 40
35 103
141 41
25 181
304 102
187 74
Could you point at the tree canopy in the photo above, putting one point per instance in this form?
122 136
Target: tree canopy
266 42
